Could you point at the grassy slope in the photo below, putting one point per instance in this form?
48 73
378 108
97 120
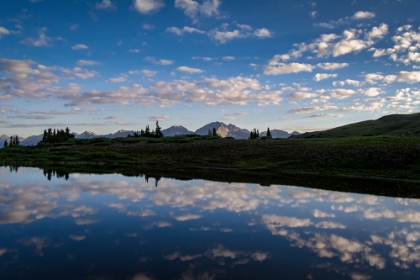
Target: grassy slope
387 125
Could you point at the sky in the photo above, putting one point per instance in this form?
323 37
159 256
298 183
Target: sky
106 65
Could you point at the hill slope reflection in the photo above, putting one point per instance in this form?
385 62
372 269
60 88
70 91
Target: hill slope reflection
115 227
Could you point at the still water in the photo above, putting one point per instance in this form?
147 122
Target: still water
116 227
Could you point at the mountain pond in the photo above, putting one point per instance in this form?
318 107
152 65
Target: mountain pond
87 226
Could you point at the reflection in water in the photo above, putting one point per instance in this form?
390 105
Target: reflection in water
115 227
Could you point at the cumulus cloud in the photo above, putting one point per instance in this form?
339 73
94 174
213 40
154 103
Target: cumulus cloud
188 70
42 41
160 61
363 15
80 47
186 217
332 66
347 46
105 5
307 110
87 63
409 77
148 73
373 78
224 36
302 95
119 79
184 30
3 31
319 77
342 93
148 6
371 92
285 221
277 68
378 32
262 33
159 118
228 58
193 9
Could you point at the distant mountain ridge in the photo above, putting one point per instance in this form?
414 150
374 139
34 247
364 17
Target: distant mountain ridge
222 129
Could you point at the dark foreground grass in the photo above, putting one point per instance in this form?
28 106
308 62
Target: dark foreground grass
386 158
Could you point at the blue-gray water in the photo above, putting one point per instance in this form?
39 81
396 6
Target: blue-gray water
116 227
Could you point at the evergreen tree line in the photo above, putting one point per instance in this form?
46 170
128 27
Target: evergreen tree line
12 141
255 134
56 136
156 133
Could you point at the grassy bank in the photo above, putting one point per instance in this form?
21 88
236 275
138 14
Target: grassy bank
385 157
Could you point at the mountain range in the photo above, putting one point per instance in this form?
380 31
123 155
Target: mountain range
222 129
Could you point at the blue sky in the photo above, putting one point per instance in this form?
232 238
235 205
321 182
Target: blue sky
121 64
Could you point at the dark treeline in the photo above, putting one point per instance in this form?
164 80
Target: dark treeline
255 134
56 136
157 133
13 141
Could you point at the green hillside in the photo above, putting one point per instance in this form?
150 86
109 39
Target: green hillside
388 125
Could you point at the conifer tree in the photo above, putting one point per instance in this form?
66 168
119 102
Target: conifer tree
5 143
17 140
269 133
214 131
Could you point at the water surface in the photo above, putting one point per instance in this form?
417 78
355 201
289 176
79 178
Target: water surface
116 227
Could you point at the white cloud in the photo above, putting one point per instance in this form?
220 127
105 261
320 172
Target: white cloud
371 92
292 222
348 82
184 30
105 5
347 46
330 225
262 33
42 40
148 73
378 32
319 77
363 15
159 118
3 31
160 61
245 27
342 93
148 6
119 79
302 95
224 36
313 14
188 70
307 110
134 51
332 66
186 217
277 68
409 77
79 47
193 9
228 58
87 62
374 77
319 214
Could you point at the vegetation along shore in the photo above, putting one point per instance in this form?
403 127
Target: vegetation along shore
385 157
